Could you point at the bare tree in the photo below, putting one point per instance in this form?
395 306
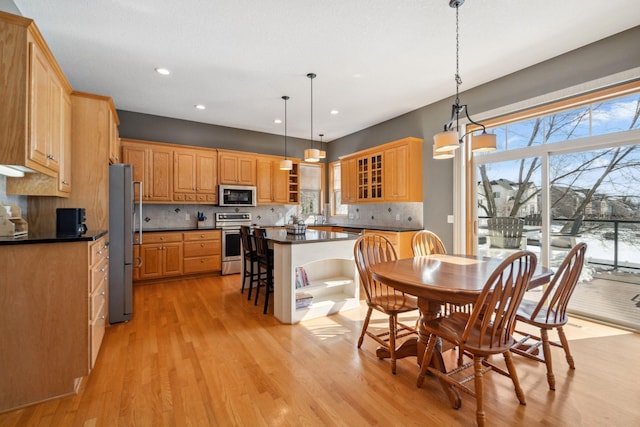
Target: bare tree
564 124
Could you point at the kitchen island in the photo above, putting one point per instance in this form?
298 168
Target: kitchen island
314 274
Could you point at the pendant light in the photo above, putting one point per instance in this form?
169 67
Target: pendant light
285 164
449 140
323 154
311 154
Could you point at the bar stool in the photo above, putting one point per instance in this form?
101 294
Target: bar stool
250 258
265 266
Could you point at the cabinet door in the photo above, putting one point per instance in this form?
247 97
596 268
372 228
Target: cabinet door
246 170
263 181
280 184
396 169
172 259
348 180
228 163
207 174
136 156
114 140
40 114
160 167
64 174
151 255
184 171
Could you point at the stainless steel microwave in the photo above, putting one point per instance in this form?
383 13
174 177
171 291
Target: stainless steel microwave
237 195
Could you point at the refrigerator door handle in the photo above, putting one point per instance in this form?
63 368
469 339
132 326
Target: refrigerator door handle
139 212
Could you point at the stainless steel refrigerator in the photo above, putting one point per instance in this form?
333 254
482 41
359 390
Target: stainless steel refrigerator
121 233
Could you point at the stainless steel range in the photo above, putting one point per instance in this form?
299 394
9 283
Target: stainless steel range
230 223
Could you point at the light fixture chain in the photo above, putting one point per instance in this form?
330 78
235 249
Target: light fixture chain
457 77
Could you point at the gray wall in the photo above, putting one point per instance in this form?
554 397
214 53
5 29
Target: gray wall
9 6
604 58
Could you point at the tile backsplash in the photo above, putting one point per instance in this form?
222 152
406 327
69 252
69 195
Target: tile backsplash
159 217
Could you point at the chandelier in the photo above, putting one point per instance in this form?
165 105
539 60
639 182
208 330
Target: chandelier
444 143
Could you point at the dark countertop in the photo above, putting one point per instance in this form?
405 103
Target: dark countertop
311 236
371 227
51 237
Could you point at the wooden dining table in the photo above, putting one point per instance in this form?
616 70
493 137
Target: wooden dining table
439 279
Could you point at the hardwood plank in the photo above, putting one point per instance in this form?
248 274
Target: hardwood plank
198 353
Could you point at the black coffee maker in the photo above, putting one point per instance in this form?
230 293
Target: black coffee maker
70 221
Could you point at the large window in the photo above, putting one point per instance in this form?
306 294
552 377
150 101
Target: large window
311 189
570 174
338 209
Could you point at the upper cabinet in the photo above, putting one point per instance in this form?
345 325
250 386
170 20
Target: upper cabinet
237 167
388 173
195 175
34 114
275 186
153 166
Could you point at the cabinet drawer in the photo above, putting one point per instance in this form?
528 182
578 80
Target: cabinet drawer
202 264
99 250
99 274
96 331
204 248
201 235
160 237
97 302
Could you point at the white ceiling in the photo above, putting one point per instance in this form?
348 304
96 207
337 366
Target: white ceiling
375 59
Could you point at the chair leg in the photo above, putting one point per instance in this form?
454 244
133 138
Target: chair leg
365 325
267 290
257 286
251 277
546 348
478 382
508 359
565 346
426 359
392 342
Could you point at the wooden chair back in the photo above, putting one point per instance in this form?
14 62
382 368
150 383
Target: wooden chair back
371 249
426 242
247 240
553 303
505 232
262 247
492 321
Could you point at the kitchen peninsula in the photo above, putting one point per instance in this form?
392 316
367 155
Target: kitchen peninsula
331 278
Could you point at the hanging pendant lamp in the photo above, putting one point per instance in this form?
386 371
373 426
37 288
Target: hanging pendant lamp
445 142
323 154
285 164
311 154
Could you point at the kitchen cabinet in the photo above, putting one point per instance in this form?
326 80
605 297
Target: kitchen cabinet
114 137
98 298
161 255
390 172
272 183
348 180
401 241
195 176
92 117
403 171
34 125
369 177
44 347
153 165
202 251
236 167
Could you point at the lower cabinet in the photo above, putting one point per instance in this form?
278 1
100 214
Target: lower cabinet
173 254
98 287
202 251
401 241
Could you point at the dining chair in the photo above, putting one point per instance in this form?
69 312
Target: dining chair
484 332
265 266
371 249
551 312
250 259
426 242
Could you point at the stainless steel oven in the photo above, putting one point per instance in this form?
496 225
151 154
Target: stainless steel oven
231 247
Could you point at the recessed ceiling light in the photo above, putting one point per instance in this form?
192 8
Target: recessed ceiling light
277 121
357 76
200 107
334 112
163 71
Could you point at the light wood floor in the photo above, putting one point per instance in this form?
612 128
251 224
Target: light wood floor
198 353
